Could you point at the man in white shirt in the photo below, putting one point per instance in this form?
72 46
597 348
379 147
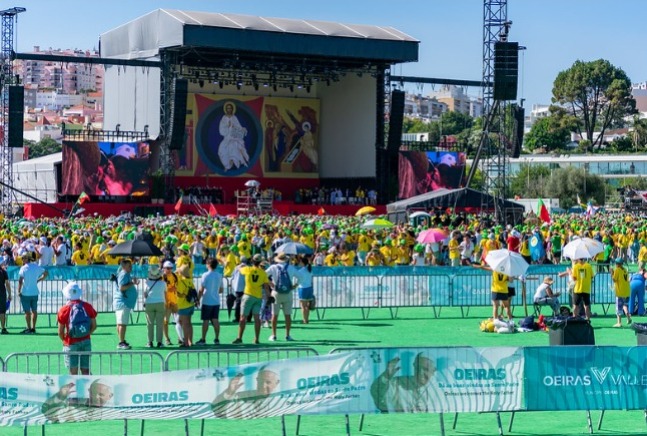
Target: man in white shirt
46 252
544 295
60 251
30 274
209 296
466 248
282 299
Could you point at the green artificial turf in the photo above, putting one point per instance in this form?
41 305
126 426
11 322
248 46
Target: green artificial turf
346 328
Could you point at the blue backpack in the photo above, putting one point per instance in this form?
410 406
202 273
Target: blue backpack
79 323
283 283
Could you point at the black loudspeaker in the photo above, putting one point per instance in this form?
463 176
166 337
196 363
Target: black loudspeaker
506 70
396 119
16 115
575 332
517 138
178 113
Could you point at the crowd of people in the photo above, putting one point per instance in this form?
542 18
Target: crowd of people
244 250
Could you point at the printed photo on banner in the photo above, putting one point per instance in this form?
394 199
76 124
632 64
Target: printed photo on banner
420 172
105 168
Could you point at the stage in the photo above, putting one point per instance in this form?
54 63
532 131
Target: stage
38 210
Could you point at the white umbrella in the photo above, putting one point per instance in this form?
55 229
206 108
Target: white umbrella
507 262
419 213
252 183
583 248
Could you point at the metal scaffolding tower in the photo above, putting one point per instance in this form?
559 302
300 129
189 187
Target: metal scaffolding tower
9 17
495 163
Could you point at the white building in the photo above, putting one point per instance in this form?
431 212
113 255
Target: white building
53 100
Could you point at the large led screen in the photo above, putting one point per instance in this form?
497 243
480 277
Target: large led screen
420 172
105 168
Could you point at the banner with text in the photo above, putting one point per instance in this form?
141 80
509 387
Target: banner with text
410 380
586 378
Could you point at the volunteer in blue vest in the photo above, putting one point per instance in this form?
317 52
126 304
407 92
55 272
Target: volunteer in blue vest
281 275
77 320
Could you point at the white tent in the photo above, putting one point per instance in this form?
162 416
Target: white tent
37 177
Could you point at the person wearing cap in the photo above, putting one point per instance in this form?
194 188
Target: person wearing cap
108 258
582 274
124 300
171 279
620 277
154 304
256 287
544 295
282 300
73 293
30 274
183 260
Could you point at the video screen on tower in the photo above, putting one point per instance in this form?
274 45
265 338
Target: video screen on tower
105 168
424 171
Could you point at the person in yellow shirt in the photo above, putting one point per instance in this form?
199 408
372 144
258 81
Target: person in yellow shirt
332 259
257 285
171 308
642 255
109 259
244 247
620 278
97 249
582 274
500 297
346 257
374 257
184 260
363 246
229 260
185 306
387 254
454 250
79 256
401 253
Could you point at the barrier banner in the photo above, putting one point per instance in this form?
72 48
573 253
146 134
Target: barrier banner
411 380
586 378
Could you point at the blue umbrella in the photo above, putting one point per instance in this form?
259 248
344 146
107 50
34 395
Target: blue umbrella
293 248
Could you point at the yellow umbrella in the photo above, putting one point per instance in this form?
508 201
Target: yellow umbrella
365 211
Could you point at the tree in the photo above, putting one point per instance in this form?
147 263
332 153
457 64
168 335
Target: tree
567 183
639 132
530 181
42 148
597 93
478 181
453 123
551 132
414 125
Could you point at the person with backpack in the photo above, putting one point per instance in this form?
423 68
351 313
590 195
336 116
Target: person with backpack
280 274
76 323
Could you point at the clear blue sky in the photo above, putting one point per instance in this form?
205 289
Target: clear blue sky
555 32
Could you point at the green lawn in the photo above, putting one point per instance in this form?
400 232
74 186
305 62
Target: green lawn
346 328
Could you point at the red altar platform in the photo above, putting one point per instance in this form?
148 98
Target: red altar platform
37 210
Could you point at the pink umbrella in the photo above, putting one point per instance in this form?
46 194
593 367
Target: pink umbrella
431 236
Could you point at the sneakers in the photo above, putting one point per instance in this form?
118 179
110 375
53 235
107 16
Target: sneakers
237 341
617 324
124 346
4 332
272 338
217 342
149 345
289 338
256 342
201 342
266 324
26 332
33 331
159 345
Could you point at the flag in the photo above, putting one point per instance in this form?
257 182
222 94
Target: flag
542 211
212 210
321 211
178 205
590 210
579 202
83 198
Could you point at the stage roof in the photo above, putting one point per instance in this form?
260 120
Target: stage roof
146 36
462 197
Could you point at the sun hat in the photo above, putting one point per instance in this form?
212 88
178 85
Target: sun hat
548 280
72 291
185 247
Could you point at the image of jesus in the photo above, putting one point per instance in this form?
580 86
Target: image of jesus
232 151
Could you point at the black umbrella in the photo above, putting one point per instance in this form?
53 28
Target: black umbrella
136 248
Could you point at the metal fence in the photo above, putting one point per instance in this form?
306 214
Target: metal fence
362 288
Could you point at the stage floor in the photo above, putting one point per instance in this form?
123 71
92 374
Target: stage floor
37 210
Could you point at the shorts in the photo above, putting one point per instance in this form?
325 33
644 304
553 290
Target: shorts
122 316
187 311
207 313
250 305
582 297
78 361
511 292
621 303
306 293
29 304
282 302
499 296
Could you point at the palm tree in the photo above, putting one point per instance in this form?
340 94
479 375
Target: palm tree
639 132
